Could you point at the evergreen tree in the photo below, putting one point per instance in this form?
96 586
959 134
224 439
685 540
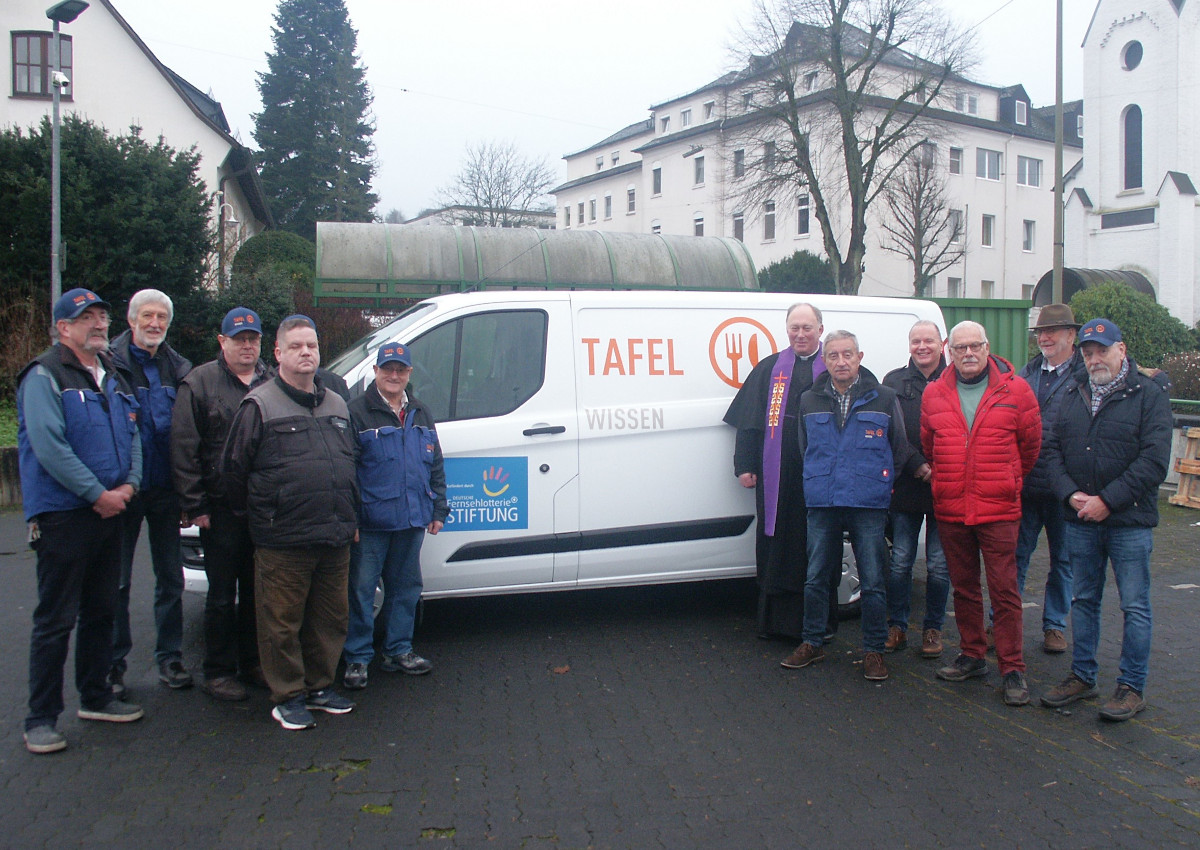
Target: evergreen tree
315 127
134 215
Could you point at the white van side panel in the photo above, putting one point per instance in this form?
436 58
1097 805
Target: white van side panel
654 379
629 466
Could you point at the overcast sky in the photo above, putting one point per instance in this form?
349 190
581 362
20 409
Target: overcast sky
552 76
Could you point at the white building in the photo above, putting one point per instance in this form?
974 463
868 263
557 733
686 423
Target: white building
1132 202
117 82
679 171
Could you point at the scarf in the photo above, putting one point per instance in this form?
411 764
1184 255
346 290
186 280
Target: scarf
781 381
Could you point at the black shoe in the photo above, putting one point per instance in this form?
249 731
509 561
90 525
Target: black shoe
1016 691
964 667
409 662
174 675
115 711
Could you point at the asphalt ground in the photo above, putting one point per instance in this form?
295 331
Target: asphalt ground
630 718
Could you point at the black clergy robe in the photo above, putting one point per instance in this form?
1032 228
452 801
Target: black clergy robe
782 559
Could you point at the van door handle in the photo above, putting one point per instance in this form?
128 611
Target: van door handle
544 429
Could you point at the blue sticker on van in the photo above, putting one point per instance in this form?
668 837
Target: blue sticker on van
487 493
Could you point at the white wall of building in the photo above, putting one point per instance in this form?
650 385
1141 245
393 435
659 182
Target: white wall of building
1164 85
116 85
694 128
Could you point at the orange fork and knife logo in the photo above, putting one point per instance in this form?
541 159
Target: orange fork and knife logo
736 346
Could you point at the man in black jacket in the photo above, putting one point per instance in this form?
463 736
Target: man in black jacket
1107 455
153 369
289 466
1049 375
912 503
207 400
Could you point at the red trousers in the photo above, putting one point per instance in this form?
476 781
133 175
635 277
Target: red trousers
997 543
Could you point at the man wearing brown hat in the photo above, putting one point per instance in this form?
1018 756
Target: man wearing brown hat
1049 375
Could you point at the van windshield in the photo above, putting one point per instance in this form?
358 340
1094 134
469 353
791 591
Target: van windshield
360 350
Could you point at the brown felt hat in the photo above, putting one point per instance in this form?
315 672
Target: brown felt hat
1055 316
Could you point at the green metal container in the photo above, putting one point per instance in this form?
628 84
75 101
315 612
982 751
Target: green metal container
1007 323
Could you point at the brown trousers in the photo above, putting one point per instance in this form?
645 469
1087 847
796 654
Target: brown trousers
303 608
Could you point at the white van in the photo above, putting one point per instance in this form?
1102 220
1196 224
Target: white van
582 430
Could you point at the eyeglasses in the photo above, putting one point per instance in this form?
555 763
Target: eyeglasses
964 347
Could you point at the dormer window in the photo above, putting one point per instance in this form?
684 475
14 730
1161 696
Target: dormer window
1022 115
666 124
685 118
709 106
810 81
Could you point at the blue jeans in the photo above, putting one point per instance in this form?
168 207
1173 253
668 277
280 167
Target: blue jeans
866 527
396 557
160 510
906 530
1035 515
1091 547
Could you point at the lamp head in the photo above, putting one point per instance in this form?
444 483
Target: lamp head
66 11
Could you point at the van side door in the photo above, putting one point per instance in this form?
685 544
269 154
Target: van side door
499 382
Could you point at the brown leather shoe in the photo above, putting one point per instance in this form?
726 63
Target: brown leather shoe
225 688
1053 642
802 656
897 639
874 668
931 643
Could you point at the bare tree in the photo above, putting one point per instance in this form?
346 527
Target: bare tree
394 216
836 95
922 228
499 186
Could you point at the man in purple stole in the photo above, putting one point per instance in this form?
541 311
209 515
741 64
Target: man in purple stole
766 457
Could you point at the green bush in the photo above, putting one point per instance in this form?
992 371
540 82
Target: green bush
801 272
274 248
1148 328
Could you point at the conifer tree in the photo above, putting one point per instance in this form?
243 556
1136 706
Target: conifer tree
315 127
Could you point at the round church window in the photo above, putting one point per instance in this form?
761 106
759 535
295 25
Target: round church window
1131 56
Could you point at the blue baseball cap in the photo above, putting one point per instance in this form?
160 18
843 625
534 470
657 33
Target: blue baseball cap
1102 331
241 319
393 352
72 303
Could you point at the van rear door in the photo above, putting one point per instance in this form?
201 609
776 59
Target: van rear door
499 381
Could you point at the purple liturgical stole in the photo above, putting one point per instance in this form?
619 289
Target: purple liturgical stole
781 381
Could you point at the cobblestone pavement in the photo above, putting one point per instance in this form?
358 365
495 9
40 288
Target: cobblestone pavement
633 718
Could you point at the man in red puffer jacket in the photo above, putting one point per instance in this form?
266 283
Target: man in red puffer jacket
981 430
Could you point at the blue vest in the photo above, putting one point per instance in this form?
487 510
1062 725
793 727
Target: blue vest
156 403
393 476
853 467
100 429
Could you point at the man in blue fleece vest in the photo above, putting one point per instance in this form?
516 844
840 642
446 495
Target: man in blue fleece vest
81 464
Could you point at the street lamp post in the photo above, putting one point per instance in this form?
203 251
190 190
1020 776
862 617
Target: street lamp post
60 13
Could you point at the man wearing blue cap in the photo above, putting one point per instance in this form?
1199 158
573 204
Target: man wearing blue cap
206 401
289 465
402 482
81 464
1107 452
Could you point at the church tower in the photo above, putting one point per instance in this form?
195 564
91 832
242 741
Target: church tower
1131 204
